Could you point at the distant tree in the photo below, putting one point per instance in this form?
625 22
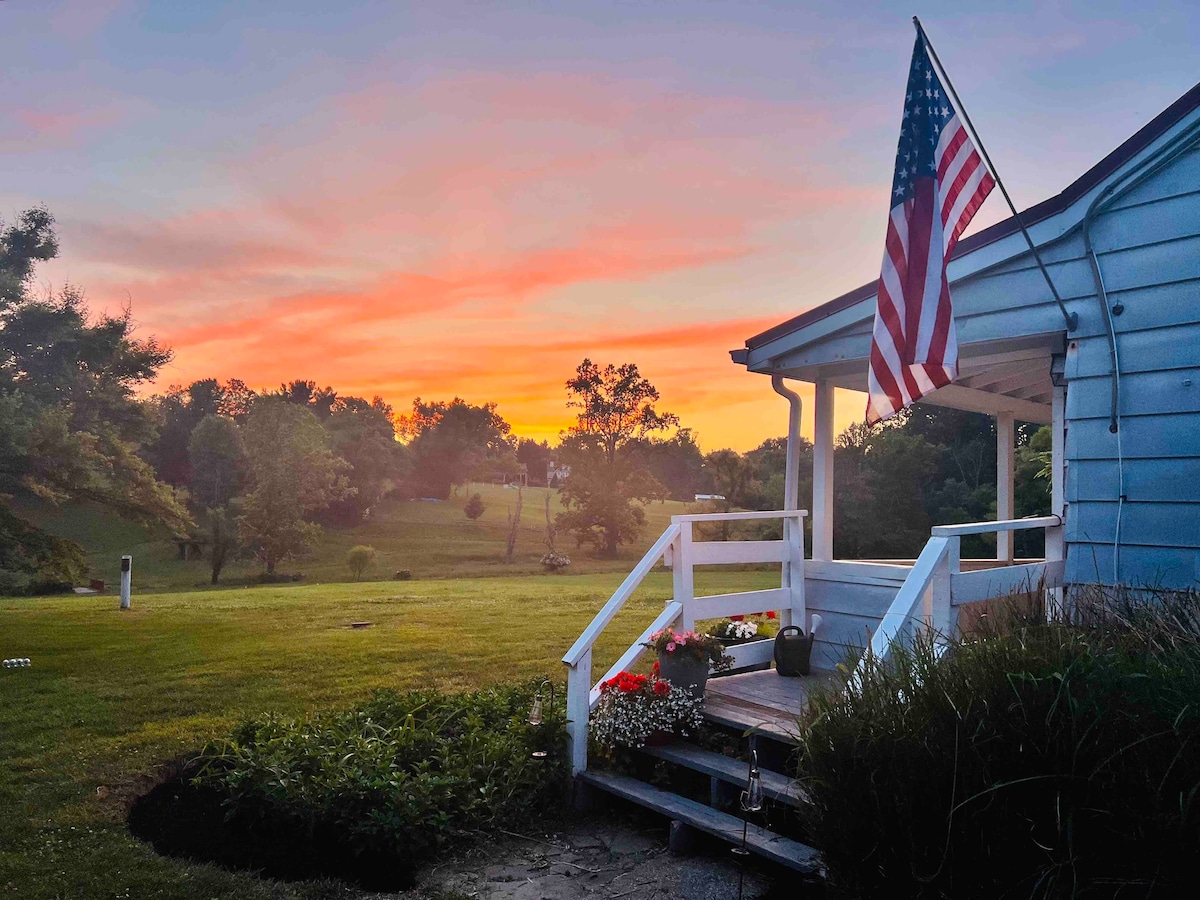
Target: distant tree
474 507
180 410
318 400
217 461
448 442
236 399
295 474
360 559
71 427
615 408
677 462
363 434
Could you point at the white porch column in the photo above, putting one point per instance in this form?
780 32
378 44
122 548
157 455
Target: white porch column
1055 543
822 504
1005 444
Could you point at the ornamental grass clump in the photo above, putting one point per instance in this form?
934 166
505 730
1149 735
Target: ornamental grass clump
1043 760
378 787
633 709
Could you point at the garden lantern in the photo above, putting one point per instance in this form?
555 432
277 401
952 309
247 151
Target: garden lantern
536 717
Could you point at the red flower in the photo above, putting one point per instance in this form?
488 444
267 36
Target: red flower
771 614
736 618
655 667
662 688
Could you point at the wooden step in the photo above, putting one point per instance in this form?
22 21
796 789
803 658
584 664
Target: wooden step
749 717
733 771
767 844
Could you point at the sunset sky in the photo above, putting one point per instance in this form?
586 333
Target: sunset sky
467 198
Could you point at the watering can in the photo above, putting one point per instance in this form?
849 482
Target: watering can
793 649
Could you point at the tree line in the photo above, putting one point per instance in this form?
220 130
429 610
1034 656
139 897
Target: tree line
262 472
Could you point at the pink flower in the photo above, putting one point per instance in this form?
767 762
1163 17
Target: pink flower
681 640
671 647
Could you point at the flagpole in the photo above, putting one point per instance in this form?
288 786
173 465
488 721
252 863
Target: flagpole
1071 317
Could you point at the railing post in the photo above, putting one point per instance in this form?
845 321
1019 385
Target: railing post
579 708
939 610
682 576
793 573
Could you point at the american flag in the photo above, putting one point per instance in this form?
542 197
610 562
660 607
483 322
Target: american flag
940 182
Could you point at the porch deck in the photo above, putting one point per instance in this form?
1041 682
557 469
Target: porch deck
765 702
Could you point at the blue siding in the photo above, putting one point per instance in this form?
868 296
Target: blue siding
1149 250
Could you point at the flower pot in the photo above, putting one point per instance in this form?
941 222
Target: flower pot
686 672
659 738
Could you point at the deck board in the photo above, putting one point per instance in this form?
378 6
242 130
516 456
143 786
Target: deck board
763 701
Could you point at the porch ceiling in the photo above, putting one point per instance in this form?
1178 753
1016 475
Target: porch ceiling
994 377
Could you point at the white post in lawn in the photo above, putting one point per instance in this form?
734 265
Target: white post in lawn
126 580
822 503
1005 441
683 582
579 707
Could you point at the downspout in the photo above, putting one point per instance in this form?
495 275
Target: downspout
1180 144
791 478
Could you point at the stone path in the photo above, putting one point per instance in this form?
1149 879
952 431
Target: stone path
598 857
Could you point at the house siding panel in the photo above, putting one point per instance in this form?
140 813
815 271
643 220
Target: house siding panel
1149 252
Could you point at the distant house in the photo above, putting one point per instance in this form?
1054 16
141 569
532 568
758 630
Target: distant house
556 473
1115 374
710 497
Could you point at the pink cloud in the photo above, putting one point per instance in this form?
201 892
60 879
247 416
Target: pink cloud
437 240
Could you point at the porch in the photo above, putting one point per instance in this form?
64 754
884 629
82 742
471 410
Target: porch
852 606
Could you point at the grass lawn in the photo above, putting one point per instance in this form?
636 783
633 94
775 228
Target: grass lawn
112 695
432 540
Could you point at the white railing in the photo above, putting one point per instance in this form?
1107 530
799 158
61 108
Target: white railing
936 583
677 549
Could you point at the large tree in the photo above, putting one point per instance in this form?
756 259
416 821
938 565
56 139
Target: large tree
295 474
615 409
70 425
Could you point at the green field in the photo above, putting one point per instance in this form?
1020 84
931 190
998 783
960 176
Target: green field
432 540
112 695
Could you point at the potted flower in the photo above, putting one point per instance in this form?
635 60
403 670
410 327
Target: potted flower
636 710
685 658
731 633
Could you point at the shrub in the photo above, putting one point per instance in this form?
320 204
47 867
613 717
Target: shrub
474 507
395 779
1052 760
360 558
